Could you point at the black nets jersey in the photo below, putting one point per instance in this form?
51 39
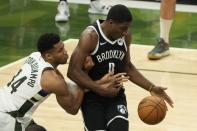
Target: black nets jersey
108 55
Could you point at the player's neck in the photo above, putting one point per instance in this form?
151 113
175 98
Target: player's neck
50 62
105 29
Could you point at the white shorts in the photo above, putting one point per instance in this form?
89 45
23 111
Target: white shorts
9 123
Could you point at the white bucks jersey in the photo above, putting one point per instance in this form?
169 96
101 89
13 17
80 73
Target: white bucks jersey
22 95
108 55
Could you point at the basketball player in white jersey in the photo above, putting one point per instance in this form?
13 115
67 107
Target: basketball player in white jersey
36 80
107 42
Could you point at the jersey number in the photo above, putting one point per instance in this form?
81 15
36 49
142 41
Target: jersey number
16 83
111 67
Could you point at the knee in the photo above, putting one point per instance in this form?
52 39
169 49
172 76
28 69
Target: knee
118 124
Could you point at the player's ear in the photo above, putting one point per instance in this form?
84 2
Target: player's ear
48 56
110 21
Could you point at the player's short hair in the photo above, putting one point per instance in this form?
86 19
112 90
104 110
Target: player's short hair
47 41
119 13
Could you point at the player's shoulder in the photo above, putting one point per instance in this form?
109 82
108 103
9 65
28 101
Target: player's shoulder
89 35
51 74
89 32
48 75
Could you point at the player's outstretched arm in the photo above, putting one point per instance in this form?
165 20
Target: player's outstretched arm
53 82
137 78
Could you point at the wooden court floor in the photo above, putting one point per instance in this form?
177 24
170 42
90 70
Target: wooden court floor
178 72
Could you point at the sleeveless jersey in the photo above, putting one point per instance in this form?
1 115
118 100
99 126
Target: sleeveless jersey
22 95
108 55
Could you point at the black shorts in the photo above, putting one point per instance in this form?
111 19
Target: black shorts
98 112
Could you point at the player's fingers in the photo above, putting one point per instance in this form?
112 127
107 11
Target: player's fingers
120 74
118 85
165 97
169 103
168 100
122 79
125 77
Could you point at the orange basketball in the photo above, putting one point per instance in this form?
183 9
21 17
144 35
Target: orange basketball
152 110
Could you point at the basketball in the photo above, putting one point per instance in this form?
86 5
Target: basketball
152 110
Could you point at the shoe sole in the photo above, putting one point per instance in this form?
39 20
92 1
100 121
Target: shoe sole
158 56
61 20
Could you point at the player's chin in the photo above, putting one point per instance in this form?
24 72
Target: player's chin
64 61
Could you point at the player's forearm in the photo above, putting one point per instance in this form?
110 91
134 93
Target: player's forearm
141 81
71 102
78 97
82 79
137 78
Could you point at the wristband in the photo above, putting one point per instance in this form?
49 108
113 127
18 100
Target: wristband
150 88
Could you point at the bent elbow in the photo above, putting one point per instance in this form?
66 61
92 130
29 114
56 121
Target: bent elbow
73 111
69 73
72 74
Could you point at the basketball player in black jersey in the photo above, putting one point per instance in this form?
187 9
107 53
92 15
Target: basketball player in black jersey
107 42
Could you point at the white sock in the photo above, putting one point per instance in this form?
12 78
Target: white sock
165 26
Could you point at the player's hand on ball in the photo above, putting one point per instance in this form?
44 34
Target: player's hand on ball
160 92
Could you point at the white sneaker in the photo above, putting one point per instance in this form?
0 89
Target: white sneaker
63 12
97 8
